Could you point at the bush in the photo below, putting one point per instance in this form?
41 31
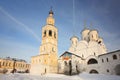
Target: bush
27 71
13 71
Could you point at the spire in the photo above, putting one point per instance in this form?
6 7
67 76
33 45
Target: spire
50 19
51 12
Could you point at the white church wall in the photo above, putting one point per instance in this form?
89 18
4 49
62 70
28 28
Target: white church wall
93 66
108 64
38 69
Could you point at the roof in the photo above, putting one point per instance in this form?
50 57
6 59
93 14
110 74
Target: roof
93 30
13 59
109 53
85 29
40 55
71 53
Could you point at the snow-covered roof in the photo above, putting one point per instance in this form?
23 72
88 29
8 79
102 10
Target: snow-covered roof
66 52
110 53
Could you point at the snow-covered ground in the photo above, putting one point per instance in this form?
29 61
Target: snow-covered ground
83 76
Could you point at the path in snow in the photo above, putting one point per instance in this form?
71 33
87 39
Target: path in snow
83 76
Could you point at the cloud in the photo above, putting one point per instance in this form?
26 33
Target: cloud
20 23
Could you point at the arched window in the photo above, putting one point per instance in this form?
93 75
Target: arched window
53 49
3 63
82 55
99 42
54 35
50 33
107 70
114 57
44 33
92 36
107 59
9 64
26 65
92 61
23 65
6 63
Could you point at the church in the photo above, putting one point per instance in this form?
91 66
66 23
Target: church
87 54
47 59
90 55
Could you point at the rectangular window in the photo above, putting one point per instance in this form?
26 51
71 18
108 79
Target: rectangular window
102 60
107 59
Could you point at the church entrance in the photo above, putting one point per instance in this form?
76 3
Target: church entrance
117 69
93 72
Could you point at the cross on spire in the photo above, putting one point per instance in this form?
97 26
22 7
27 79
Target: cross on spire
51 12
51 8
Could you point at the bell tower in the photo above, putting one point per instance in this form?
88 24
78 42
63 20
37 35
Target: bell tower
49 36
50 42
47 60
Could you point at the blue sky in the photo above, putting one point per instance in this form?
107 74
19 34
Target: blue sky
21 22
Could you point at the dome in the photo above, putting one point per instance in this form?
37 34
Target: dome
50 20
94 30
73 37
93 35
85 34
84 42
85 29
74 40
82 45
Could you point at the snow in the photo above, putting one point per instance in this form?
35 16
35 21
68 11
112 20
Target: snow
83 76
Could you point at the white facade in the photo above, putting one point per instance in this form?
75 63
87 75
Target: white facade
110 63
90 44
69 61
90 55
